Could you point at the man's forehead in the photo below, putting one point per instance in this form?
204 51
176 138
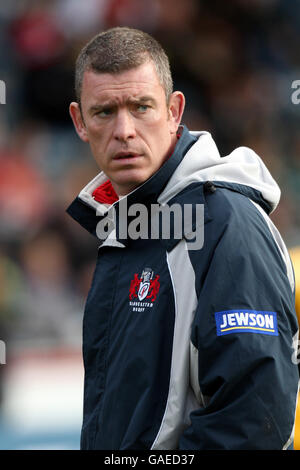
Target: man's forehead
134 80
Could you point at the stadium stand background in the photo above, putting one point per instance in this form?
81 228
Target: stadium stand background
235 61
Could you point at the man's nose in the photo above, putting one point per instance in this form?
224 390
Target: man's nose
124 128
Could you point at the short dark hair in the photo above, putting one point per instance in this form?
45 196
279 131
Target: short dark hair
119 49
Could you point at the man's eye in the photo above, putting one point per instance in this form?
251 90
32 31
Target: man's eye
104 112
142 108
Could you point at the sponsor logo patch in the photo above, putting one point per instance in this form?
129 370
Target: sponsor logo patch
246 321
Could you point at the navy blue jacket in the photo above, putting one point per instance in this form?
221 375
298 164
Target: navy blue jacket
191 346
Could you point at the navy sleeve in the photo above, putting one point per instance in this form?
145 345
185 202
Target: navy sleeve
243 333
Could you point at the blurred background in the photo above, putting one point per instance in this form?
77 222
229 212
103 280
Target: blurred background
235 61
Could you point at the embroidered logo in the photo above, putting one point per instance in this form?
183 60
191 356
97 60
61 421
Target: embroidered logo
142 288
246 321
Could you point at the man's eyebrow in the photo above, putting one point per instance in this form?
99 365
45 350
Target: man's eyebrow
142 99
112 103
96 107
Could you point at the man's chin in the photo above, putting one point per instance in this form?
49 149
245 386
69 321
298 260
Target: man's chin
124 186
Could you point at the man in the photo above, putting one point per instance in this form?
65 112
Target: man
187 335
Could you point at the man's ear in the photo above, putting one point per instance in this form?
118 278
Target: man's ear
175 110
75 113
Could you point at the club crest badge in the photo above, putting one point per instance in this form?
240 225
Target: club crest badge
143 288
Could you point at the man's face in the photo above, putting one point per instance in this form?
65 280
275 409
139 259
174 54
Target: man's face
128 124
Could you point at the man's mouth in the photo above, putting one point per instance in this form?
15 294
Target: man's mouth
124 156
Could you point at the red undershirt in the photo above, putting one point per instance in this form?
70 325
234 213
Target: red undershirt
105 193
